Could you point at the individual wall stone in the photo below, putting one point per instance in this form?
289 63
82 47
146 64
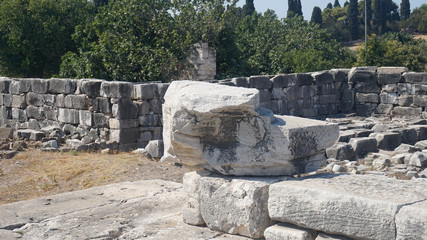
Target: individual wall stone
293 93
324 77
367 98
19 115
116 89
405 100
367 87
240 82
145 91
304 79
68 115
85 118
235 205
125 136
156 106
340 75
357 206
100 120
404 88
390 75
419 89
389 98
390 88
18 101
420 100
121 124
361 74
4 84
288 232
260 82
18 86
406 112
411 77
79 102
125 109
34 112
384 109
341 151
91 87
39 85
62 86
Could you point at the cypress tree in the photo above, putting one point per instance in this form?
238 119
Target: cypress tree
352 15
337 4
316 16
369 12
248 8
346 4
294 8
380 10
405 9
329 6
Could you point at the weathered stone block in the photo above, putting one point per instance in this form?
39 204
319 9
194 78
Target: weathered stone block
148 120
341 151
293 93
156 106
79 102
121 124
390 88
323 77
4 84
367 98
357 206
389 78
162 88
18 86
278 94
411 220
220 129
19 115
411 77
304 79
404 88
85 118
34 112
418 159
191 213
145 91
358 74
282 81
39 85
18 101
405 100
125 136
389 98
327 99
288 232
406 112
367 87
235 206
326 89
419 89
420 101
116 89
51 113
91 87
239 82
68 115
384 109
340 75
421 131
143 108
260 82
387 140
155 149
64 86
100 120
364 145
145 136
125 109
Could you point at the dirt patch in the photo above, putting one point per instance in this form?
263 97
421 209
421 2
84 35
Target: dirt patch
421 36
33 174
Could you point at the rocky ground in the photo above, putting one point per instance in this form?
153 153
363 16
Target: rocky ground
396 148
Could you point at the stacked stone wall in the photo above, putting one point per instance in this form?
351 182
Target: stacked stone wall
96 111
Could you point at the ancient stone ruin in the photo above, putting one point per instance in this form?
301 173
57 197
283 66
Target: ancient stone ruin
265 171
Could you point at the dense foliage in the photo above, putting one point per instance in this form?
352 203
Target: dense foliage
149 40
394 49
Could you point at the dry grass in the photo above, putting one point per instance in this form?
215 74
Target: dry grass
33 174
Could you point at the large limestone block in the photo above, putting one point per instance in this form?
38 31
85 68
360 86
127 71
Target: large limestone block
411 221
236 205
191 213
222 129
357 206
284 231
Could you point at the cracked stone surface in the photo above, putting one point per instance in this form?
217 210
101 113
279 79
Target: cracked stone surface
223 129
358 206
149 209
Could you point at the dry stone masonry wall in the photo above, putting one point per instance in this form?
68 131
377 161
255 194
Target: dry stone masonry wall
96 112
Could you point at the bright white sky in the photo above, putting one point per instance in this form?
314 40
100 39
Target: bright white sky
281 6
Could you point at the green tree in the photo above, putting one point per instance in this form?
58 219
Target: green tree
346 3
248 8
34 34
394 49
353 21
405 9
316 16
418 20
128 40
336 22
329 6
294 8
337 4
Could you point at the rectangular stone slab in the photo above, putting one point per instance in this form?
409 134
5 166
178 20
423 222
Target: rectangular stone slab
358 206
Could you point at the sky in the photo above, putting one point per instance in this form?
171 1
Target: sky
281 6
